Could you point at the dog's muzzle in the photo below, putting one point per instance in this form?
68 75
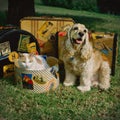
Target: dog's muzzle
79 39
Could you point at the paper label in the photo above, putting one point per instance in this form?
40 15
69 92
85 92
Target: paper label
4 50
23 42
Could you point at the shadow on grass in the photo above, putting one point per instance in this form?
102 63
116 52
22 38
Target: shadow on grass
90 22
9 80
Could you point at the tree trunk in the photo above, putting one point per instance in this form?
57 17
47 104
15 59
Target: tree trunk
18 9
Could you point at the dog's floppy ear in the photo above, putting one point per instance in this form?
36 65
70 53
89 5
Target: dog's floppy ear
86 52
86 40
87 49
66 28
69 32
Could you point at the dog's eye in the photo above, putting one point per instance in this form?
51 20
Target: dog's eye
75 28
85 31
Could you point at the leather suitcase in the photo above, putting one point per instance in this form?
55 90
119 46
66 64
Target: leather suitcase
45 30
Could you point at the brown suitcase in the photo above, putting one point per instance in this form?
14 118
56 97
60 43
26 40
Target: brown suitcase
45 29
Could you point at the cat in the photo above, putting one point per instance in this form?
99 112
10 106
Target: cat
28 61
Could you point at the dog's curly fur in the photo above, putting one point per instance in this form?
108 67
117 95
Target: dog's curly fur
81 60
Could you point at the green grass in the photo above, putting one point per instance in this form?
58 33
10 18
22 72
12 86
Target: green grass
65 103
92 20
62 104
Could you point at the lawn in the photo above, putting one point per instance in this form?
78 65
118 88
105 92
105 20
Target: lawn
92 20
65 103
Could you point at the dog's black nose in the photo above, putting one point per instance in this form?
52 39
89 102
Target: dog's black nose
81 34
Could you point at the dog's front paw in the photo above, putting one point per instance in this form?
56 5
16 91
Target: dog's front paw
94 83
104 86
66 83
84 88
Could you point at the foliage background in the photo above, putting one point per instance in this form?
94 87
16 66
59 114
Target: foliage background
105 6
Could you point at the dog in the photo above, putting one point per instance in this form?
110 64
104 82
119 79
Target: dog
82 61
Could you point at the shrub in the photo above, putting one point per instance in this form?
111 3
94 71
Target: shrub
88 5
3 17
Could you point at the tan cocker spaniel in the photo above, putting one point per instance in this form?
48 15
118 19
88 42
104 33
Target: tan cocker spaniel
81 60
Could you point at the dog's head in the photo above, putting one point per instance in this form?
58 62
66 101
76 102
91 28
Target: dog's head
78 42
78 34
